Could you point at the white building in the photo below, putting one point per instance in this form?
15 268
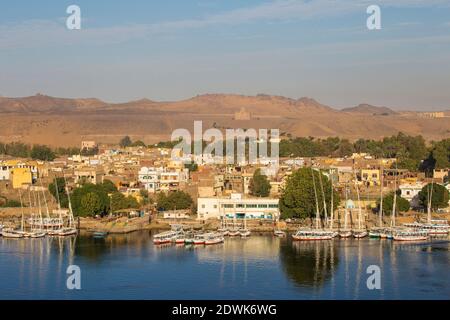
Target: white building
410 192
150 177
238 207
162 179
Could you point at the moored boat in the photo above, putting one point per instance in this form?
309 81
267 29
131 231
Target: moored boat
308 235
345 233
213 238
375 233
244 233
360 233
279 233
410 235
199 239
165 237
233 232
9 233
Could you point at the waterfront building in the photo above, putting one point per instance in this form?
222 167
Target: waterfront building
236 206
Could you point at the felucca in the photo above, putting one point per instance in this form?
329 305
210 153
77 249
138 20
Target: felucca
318 233
361 232
345 232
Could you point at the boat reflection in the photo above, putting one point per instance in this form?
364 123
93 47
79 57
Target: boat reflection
309 263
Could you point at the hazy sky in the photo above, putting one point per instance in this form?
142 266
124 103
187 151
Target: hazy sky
174 49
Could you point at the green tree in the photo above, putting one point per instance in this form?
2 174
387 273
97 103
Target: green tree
119 201
10 203
138 143
174 201
125 142
59 192
80 192
298 198
259 184
439 196
90 205
162 203
41 152
109 186
145 197
441 153
402 205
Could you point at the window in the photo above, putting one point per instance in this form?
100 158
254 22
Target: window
203 206
251 205
240 205
227 205
273 205
262 205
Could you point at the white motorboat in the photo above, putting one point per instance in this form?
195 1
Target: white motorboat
165 237
199 238
410 235
313 234
279 233
213 238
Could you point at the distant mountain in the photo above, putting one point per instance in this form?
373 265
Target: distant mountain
65 122
43 103
370 109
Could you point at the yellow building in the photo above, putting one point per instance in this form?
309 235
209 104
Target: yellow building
370 176
21 176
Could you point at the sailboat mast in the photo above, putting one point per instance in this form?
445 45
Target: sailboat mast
394 204
430 197
317 201
380 213
70 204
21 208
57 193
40 211
323 196
45 199
359 204
345 207
331 204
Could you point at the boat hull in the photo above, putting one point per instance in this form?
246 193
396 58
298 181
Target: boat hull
311 238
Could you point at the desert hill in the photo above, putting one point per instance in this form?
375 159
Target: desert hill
369 109
65 122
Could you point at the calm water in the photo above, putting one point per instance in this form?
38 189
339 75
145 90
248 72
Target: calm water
261 267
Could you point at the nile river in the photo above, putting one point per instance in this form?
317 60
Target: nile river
260 267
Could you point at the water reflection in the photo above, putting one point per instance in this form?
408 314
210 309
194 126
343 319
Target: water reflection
129 266
309 263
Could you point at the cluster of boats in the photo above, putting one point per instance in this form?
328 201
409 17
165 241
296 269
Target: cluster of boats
179 236
38 226
408 232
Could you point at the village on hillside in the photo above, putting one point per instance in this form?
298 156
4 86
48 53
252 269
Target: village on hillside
132 186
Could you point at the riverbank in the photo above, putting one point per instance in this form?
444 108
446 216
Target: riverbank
122 225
